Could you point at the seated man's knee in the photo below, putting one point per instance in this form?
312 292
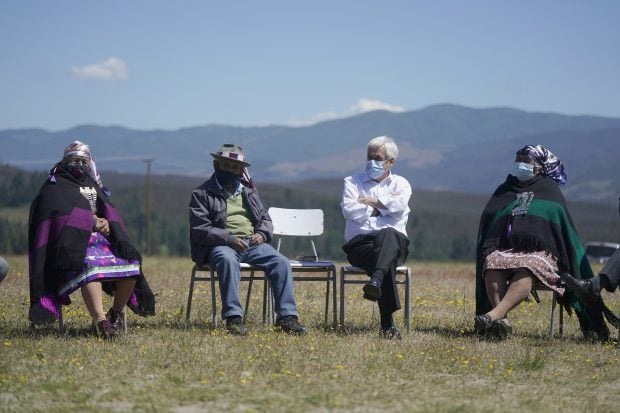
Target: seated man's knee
223 255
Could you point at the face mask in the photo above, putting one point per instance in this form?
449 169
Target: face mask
374 169
226 178
76 169
523 171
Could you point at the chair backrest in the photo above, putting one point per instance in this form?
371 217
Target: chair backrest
297 223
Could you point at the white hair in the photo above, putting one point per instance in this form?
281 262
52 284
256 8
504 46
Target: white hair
391 150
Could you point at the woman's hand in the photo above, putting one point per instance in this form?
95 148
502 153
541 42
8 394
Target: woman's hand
102 226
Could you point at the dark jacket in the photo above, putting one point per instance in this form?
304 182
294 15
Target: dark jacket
207 218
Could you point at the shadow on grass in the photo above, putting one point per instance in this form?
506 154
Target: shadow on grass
52 329
446 332
353 330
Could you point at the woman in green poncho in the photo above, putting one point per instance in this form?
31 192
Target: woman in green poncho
526 234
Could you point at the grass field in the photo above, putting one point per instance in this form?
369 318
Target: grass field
162 364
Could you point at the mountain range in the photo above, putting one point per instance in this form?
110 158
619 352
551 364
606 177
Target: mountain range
442 147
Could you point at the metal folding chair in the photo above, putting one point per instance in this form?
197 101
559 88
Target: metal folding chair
538 286
400 271
306 223
212 277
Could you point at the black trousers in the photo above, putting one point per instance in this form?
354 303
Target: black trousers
384 251
611 270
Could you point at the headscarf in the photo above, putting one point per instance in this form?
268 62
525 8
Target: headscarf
77 148
246 179
551 164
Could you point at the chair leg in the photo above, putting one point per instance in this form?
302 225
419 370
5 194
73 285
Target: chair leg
334 298
326 300
342 297
561 320
408 301
213 303
271 312
247 298
268 303
61 323
188 310
265 300
552 324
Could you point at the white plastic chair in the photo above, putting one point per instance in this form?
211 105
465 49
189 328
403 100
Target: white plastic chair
306 223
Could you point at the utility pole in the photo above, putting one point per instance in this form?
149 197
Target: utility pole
148 204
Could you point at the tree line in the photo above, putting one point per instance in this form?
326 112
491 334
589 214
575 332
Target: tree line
442 226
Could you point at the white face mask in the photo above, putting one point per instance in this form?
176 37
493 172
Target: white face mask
374 169
523 171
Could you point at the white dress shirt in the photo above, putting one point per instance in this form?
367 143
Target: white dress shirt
393 192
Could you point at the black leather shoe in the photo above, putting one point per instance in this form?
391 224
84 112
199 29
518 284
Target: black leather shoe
500 329
391 333
235 326
482 324
583 289
372 290
290 324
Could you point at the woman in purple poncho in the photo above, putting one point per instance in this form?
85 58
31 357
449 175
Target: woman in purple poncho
77 240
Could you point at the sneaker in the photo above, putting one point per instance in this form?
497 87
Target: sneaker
391 333
235 326
105 330
290 324
116 319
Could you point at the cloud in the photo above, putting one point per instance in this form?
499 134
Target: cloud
361 106
112 68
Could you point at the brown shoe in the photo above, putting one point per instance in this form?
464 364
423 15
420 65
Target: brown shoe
235 326
105 330
290 324
116 319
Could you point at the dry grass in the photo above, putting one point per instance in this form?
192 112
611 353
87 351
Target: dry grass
161 364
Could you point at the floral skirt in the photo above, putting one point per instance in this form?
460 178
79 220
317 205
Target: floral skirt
540 263
100 264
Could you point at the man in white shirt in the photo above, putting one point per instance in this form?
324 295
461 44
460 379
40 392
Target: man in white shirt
375 204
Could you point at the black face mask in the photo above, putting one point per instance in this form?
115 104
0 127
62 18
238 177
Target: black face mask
226 178
78 171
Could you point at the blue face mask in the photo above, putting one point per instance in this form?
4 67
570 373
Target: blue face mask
374 169
523 171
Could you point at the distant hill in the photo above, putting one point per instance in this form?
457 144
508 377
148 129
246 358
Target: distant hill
442 147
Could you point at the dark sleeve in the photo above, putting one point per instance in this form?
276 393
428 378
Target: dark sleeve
203 232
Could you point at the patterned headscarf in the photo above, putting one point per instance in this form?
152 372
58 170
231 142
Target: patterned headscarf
551 164
78 148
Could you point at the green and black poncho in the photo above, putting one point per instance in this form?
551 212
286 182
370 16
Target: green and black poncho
532 216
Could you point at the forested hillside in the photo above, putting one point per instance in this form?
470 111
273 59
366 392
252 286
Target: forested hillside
442 225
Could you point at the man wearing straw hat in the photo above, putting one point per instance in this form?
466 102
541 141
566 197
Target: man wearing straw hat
229 225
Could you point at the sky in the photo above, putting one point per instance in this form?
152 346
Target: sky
151 64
